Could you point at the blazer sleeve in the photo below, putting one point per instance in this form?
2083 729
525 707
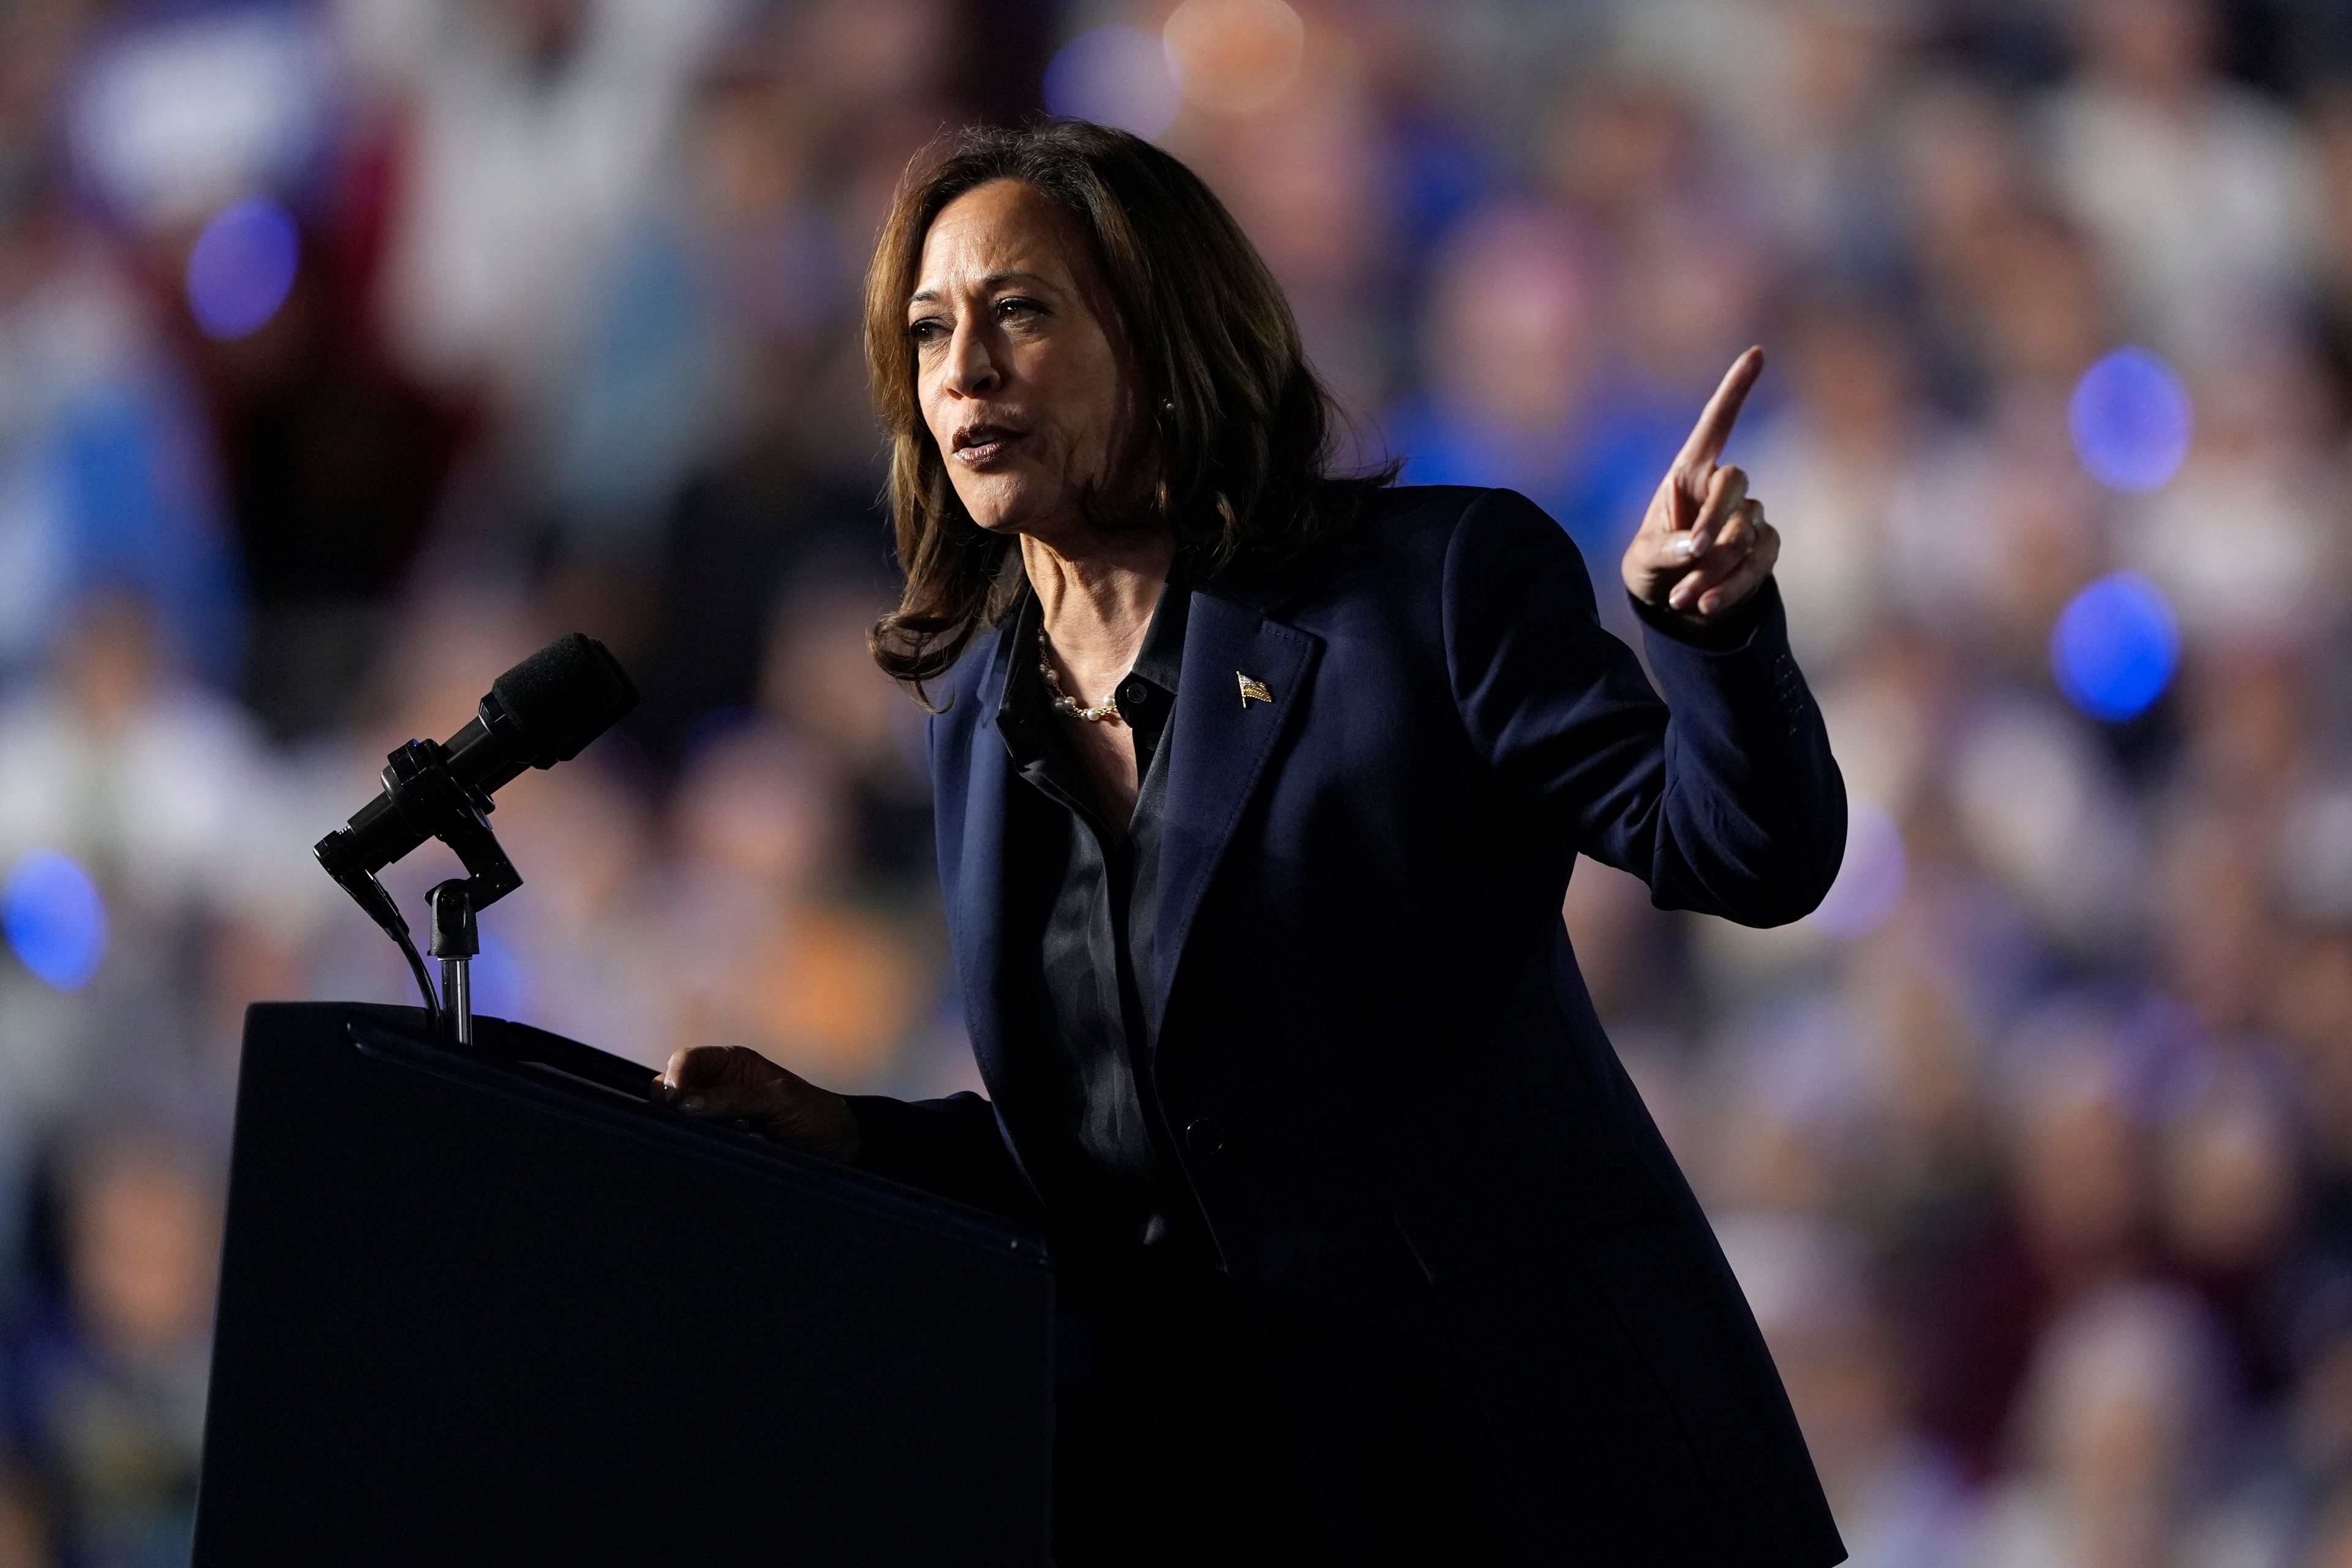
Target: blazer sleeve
951 1148
1723 796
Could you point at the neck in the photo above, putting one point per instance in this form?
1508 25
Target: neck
1096 597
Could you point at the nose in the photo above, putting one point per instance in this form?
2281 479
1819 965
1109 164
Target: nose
971 368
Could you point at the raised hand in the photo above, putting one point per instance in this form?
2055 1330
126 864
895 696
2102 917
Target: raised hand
1704 546
731 1083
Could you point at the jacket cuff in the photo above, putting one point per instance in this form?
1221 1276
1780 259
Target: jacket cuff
1733 634
1755 674
951 1148
891 1139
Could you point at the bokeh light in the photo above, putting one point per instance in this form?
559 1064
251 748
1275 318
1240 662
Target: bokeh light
54 918
2130 419
500 982
1115 76
2114 647
242 266
1234 56
1869 881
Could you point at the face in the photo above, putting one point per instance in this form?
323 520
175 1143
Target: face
1015 370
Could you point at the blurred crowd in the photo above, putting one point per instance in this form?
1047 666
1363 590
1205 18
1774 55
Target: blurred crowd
351 349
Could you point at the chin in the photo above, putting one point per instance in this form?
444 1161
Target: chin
1002 508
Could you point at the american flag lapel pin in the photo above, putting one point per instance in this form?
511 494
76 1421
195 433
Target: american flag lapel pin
1253 688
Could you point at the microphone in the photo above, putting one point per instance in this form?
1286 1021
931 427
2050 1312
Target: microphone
540 714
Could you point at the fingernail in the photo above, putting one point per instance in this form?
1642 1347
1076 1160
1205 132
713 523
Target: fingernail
1686 547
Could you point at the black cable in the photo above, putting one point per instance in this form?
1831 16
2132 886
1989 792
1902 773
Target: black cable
424 979
369 894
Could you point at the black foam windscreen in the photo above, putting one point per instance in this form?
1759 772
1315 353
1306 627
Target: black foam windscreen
565 696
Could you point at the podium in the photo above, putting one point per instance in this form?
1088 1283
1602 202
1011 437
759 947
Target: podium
491 1305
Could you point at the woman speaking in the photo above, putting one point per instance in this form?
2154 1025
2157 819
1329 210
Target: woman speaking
1258 787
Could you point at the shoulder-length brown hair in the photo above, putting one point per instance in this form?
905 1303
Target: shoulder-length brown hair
1234 457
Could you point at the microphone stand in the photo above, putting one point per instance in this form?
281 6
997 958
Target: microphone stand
454 943
428 796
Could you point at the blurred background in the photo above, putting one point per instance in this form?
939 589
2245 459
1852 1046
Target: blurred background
348 352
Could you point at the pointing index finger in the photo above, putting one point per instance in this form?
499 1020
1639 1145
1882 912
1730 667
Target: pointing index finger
1714 427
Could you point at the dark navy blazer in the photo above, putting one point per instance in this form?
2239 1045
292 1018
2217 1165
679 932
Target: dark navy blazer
1373 1040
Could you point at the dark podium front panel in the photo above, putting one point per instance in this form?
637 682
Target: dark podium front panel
489 1305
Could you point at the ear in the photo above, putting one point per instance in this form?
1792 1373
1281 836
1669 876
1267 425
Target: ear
1139 447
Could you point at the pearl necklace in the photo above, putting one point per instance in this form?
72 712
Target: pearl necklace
1063 702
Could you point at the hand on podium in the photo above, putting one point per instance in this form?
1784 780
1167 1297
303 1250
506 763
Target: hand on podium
733 1083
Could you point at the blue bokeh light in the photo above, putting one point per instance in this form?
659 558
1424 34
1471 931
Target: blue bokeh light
2130 419
54 918
1115 75
1870 880
242 266
2114 647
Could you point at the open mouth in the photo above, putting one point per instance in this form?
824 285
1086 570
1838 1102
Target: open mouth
979 444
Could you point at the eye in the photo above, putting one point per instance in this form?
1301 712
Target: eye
1018 307
926 331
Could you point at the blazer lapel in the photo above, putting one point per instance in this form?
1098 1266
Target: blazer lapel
1219 741
979 861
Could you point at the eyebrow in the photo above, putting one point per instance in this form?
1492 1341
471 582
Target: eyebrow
993 281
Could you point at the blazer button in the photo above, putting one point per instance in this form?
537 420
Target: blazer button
1203 1136
1133 693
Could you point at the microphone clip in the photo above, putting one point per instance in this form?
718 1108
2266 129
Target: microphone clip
425 792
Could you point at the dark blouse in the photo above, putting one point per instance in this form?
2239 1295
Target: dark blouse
1079 897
